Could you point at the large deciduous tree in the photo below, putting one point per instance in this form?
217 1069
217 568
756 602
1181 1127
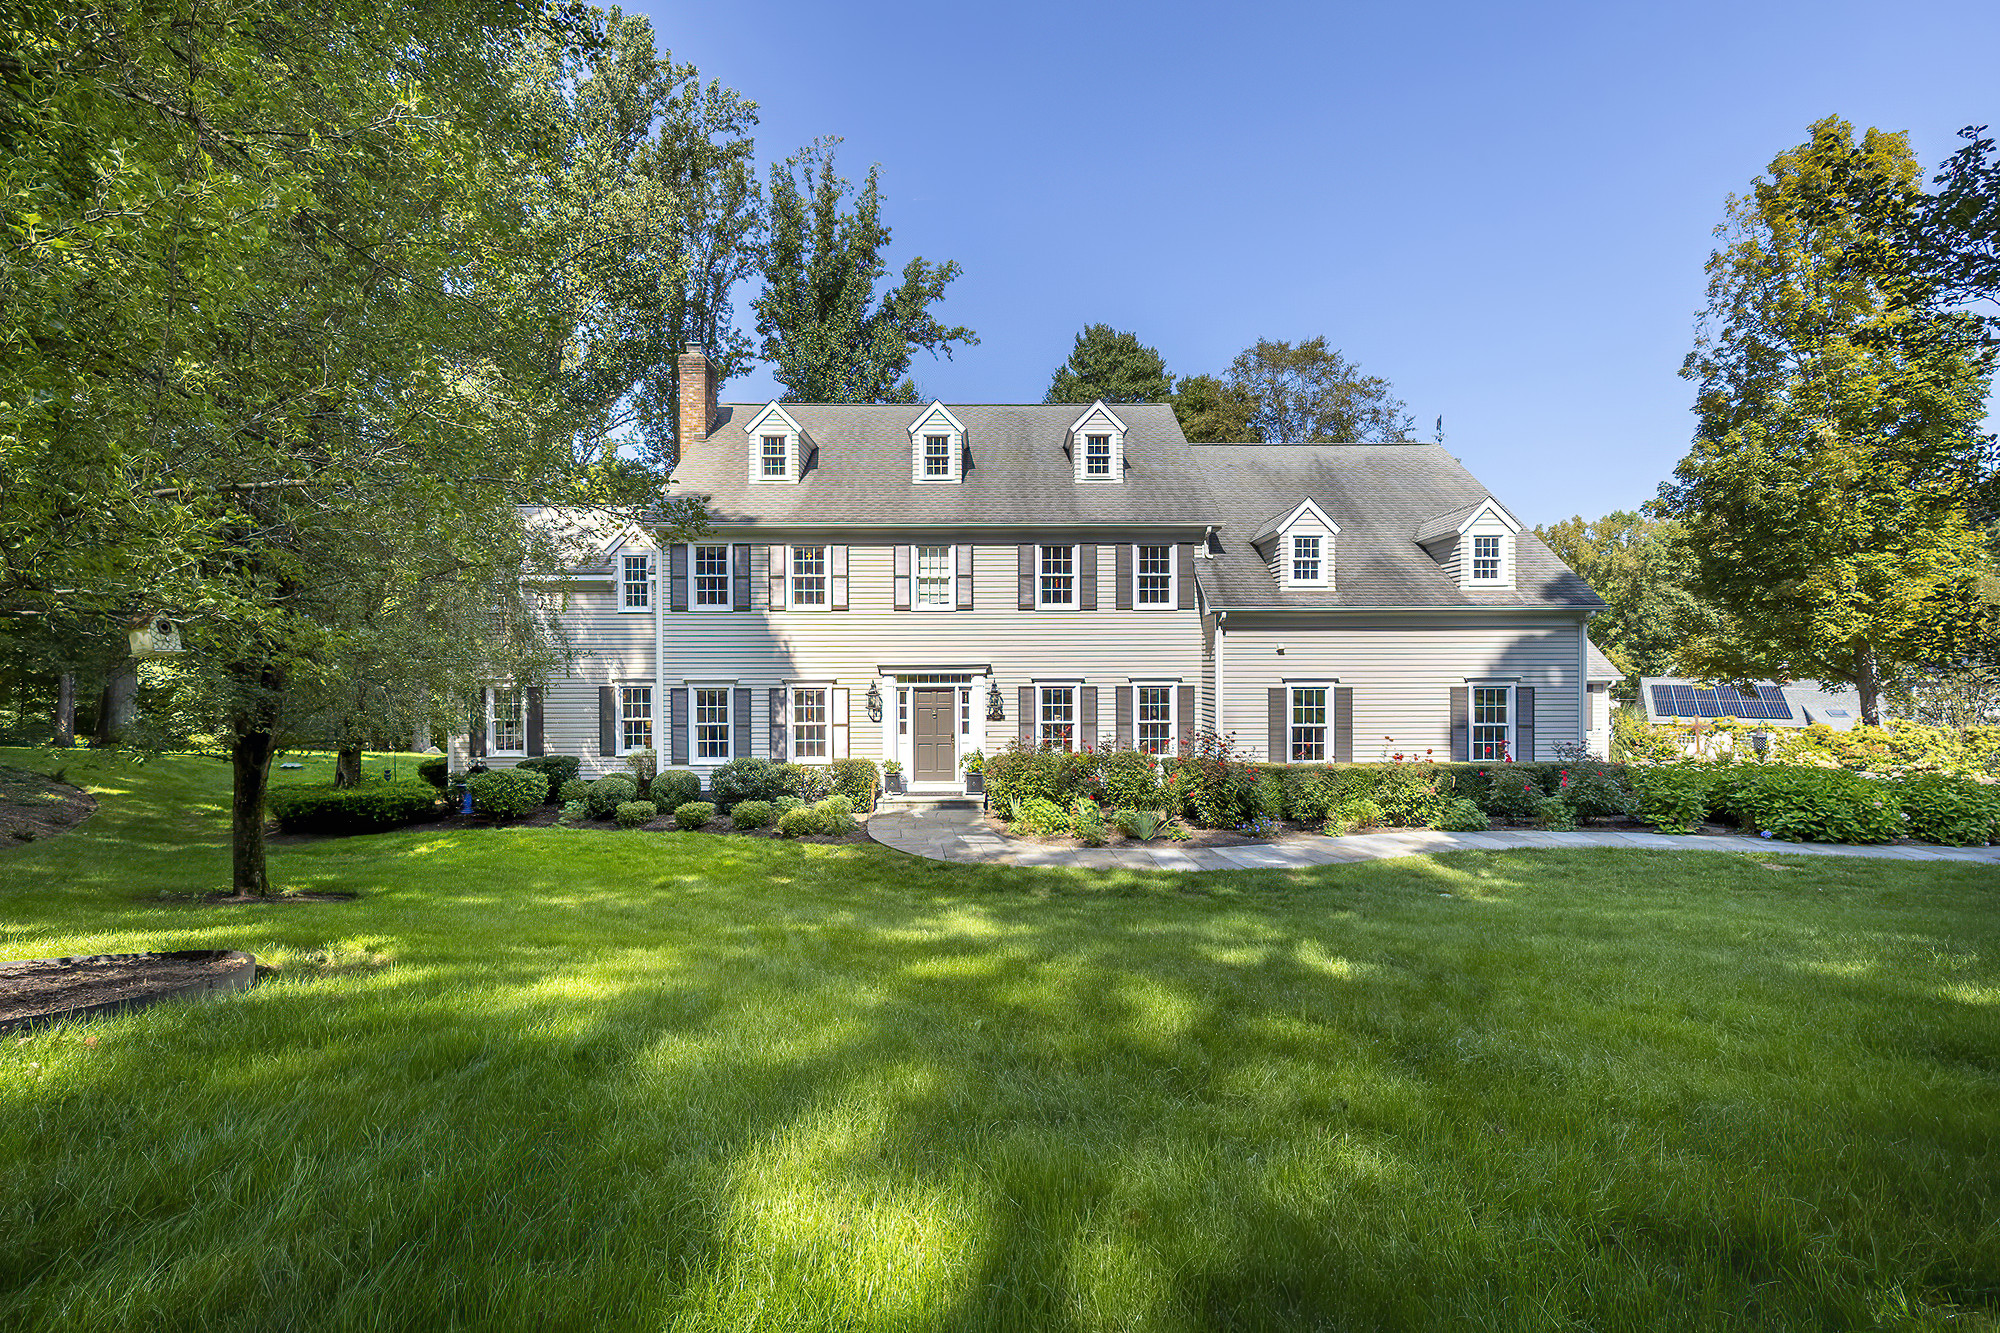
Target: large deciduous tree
820 324
1113 365
1215 411
1829 496
1309 393
1643 570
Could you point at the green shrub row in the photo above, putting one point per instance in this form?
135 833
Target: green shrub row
831 817
507 793
368 808
752 779
1803 804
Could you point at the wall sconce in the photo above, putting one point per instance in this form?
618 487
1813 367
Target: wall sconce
874 701
996 706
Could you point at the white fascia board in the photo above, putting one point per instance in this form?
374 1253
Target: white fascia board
771 409
936 411
1098 409
1279 526
1493 507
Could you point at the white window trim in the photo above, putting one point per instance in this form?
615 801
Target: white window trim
792 602
1505 578
728 689
1292 688
1075 688
924 455
618 688
652 566
1472 688
728 578
1291 557
775 421
792 687
1173 578
1097 420
1173 711
950 577
1075 577
492 710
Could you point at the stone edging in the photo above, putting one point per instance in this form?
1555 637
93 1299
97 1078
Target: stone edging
241 974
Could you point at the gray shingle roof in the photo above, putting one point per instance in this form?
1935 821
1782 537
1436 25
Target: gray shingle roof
1600 666
1381 495
1018 475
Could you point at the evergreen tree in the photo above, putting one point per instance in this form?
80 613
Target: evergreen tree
1112 365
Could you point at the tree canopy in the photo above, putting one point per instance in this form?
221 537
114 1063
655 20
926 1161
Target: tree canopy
1215 411
1642 568
1113 365
1309 393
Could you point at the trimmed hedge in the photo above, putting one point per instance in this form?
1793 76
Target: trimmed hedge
507 793
369 808
691 815
674 789
747 779
559 769
752 814
1956 811
435 771
609 792
635 814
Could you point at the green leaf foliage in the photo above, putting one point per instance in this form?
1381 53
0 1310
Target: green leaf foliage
368 808
691 815
507 793
1113 365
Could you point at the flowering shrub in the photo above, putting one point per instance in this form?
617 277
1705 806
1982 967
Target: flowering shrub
1262 826
1555 814
1214 783
1410 794
1958 811
1459 815
1823 805
1673 798
1088 822
1595 791
1513 793
1354 815
1131 780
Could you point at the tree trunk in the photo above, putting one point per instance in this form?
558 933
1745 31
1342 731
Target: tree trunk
250 753
1868 685
114 707
65 735
347 766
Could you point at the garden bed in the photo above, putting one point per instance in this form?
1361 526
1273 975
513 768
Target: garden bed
1285 830
40 991
33 807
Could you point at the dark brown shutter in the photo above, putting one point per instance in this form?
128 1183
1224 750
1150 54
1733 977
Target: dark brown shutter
739 737
1025 711
677 577
475 732
1123 599
1184 564
739 594
1086 722
1276 749
1343 725
1187 714
836 563
678 723
965 578
607 720
1123 736
781 740
776 577
902 578
1461 725
1524 724
1025 563
1086 564
535 722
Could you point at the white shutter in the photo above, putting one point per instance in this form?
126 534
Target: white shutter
836 705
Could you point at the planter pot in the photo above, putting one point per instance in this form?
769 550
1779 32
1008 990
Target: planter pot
975 784
892 783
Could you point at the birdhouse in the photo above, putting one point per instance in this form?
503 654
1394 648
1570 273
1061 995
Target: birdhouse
155 635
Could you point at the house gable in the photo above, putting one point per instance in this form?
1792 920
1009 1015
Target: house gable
779 447
935 425
1096 445
1298 546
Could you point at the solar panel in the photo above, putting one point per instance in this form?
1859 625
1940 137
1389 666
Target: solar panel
1723 701
1663 700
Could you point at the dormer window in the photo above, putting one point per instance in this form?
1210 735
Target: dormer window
1297 546
774 456
779 448
1096 445
1097 456
1475 544
1485 559
1306 567
937 456
937 447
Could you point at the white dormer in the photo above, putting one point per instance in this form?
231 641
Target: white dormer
1475 544
778 447
1298 546
937 447
1097 445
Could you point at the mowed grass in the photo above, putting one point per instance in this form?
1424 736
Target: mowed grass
559 1079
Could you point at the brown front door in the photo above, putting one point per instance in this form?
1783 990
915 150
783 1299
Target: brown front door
933 743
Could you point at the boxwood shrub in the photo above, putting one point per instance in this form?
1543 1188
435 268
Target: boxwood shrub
747 779
675 788
609 792
368 808
635 814
752 814
559 768
507 793
693 814
856 779
576 789
835 815
434 771
799 821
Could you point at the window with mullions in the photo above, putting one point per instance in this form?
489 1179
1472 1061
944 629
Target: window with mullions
808 576
809 724
638 587
510 722
711 725
934 577
1058 717
1305 559
1156 576
774 456
1097 456
1156 719
711 576
1486 559
1492 718
635 717
937 455
1308 724
965 712
1058 576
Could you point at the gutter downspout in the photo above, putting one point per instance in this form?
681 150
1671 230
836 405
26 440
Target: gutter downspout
662 706
1220 692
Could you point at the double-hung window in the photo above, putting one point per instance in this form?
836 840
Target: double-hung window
937 455
711 725
810 732
1485 559
1156 718
1306 563
509 721
1492 723
635 577
1097 455
1056 584
809 576
934 580
1057 724
711 577
635 717
1155 566
772 456
1308 726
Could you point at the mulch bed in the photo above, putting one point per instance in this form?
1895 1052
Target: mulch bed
545 817
33 807
47 990
1286 829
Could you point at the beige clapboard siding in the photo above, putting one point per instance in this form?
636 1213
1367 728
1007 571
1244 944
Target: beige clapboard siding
1402 670
759 649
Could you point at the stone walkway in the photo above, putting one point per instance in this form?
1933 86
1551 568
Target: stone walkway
957 833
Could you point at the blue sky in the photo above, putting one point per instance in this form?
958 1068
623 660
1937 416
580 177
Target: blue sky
1503 209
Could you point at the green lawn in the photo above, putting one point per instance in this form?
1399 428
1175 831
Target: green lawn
559 1079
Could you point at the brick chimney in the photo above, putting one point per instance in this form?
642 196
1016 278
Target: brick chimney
698 389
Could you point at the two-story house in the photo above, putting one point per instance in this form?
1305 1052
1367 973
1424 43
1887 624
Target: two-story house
918 582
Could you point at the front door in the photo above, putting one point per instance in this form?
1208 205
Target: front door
933 736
